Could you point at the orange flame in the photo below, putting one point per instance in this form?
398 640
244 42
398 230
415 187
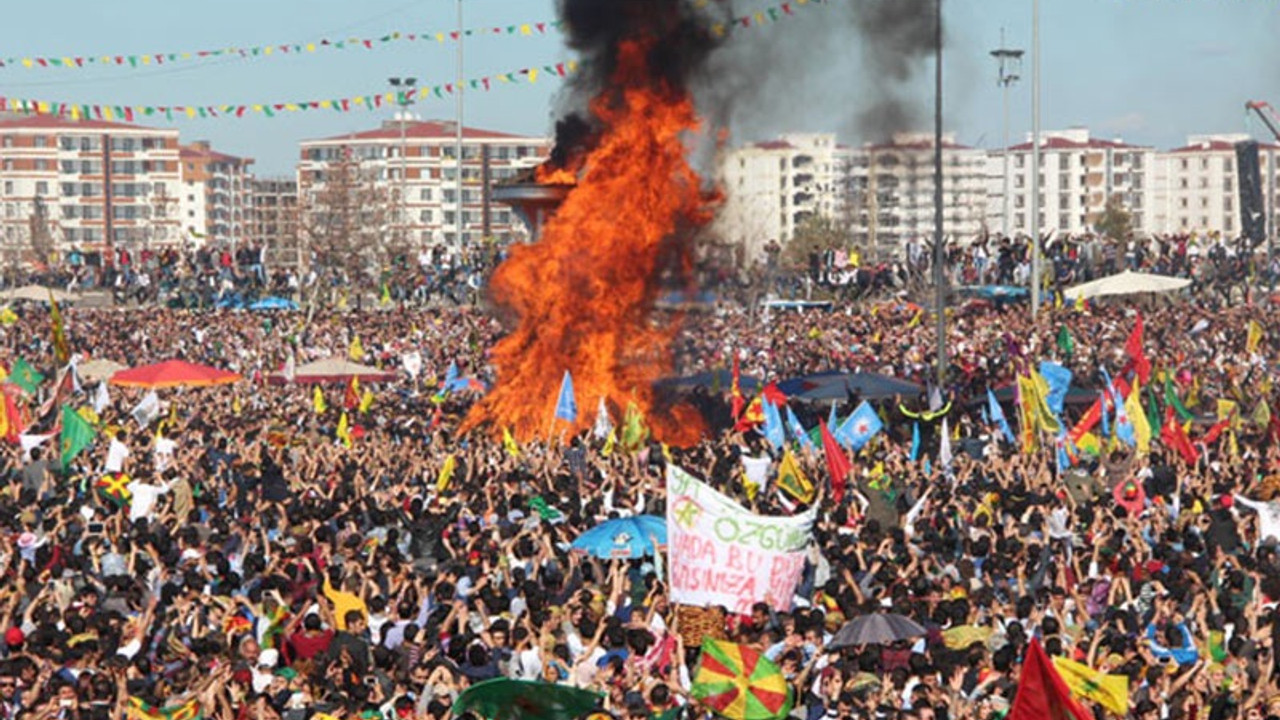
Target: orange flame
585 291
548 175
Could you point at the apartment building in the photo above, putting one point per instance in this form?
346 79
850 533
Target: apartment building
1197 185
274 220
891 198
771 188
1078 174
412 166
87 184
216 203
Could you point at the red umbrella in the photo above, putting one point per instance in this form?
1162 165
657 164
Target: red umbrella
173 373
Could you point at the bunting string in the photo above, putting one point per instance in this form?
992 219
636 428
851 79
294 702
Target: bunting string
764 16
131 113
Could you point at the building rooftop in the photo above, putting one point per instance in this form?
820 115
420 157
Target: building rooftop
202 151
774 145
1062 143
1217 146
54 122
423 130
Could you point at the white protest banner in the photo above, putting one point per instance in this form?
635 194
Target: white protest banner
723 554
147 410
412 363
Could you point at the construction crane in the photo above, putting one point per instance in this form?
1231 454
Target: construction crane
1268 115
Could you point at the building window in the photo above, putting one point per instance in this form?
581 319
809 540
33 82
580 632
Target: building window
42 189
1227 205
8 141
1185 166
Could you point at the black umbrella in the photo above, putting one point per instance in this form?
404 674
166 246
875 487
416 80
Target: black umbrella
876 629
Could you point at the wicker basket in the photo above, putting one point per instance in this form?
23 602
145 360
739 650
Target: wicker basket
695 623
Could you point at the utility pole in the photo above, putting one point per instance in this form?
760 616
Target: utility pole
405 97
1010 63
462 33
1035 159
939 252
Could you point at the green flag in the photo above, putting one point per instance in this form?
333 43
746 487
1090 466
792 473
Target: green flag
25 376
1171 398
1065 343
77 434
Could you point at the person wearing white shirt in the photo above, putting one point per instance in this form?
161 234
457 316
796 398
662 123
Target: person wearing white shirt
143 498
117 453
163 451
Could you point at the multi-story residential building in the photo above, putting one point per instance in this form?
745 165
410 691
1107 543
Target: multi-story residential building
413 168
1197 185
87 184
892 192
216 203
274 221
1078 174
771 188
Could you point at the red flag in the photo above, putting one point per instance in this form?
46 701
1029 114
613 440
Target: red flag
774 395
1094 414
739 402
1137 358
1215 431
1176 438
837 464
1042 693
351 399
752 416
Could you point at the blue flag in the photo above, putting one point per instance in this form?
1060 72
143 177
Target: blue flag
858 429
798 431
1064 456
773 425
997 416
832 419
567 404
450 375
1106 422
915 441
1059 379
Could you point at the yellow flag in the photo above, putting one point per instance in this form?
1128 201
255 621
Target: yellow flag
366 401
1035 407
1255 336
342 300
1080 305
1227 410
509 443
792 480
916 320
7 316
356 351
317 401
386 295
609 442
235 405
344 430
87 412
1090 444
1262 414
1109 691
446 473
1138 416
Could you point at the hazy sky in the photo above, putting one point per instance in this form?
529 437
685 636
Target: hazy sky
1151 71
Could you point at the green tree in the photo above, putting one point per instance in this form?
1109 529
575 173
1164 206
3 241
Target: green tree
815 234
1116 222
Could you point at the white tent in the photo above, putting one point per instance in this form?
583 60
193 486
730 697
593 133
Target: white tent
1126 283
37 293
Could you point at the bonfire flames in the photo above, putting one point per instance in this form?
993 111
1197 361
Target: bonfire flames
585 291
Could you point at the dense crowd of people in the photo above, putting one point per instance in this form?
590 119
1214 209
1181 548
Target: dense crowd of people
240 558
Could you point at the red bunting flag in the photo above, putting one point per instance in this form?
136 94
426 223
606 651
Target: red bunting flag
1175 437
1042 693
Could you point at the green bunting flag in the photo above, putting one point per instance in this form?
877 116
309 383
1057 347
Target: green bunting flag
77 434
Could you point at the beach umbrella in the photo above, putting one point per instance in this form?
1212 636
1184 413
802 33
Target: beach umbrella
876 629
173 373
623 538
504 699
98 369
333 371
739 683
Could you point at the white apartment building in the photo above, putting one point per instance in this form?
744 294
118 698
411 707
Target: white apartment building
1197 186
1078 173
771 188
418 160
216 203
891 198
87 184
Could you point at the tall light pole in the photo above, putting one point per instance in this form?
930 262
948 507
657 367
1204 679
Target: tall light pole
1010 63
404 97
1035 159
462 33
939 252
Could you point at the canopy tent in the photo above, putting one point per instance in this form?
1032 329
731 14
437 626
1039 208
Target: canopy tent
274 303
173 373
37 293
836 385
332 371
1126 283
98 369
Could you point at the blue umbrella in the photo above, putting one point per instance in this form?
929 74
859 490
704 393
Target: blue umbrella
623 538
274 303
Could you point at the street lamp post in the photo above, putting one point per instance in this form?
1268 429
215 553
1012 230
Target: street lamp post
939 252
1010 62
404 96
1035 159
458 131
